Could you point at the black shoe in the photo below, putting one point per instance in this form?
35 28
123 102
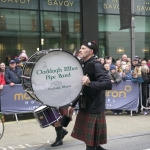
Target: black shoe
100 148
64 132
57 143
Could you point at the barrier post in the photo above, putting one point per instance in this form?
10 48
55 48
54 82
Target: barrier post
16 118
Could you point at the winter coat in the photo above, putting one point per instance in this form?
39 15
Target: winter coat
11 76
115 77
2 79
93 98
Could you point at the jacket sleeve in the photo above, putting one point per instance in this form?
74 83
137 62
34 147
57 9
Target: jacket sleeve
118 78
7 76
103 81
3 80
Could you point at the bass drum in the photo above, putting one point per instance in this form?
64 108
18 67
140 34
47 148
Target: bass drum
53 77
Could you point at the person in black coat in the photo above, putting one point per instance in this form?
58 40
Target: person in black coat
13 73
90 125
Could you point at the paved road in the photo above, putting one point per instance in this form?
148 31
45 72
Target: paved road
28 135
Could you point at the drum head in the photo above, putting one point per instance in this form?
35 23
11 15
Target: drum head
56 78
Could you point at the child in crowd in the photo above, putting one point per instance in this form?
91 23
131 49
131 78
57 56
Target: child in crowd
23 56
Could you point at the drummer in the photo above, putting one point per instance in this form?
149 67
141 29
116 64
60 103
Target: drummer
60 131
90 125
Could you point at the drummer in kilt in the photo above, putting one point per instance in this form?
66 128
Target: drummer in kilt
90 125
60 131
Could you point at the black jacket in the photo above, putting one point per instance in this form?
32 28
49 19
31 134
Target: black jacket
11 76
93 98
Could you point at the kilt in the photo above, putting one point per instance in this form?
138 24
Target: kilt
90 128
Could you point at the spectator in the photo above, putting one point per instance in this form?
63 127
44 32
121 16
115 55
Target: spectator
2 68
23 54
107 67
137 74
12 74
134 62
115 77
101 60
127 74
129 65
124 58
148 63
2 82
123 65
145 88
118 64
143 63
108 61
119 71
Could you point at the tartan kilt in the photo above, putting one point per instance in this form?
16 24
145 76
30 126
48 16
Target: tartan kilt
90 128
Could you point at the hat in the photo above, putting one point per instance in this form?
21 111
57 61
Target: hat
23 55
112 67
137 65
12 61
136 56
135 59
90 44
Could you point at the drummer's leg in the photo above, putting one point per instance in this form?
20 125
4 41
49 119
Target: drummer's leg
60 134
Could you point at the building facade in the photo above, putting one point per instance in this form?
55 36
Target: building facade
50 24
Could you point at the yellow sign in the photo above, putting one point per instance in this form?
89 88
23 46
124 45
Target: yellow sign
20 96
115 93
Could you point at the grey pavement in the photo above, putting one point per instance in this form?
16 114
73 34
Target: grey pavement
28 135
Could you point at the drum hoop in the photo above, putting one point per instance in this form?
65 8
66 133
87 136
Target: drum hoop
46 52
31 75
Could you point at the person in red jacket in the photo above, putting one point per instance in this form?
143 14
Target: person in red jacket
2 77
2 82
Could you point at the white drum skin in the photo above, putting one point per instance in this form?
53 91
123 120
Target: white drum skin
56 78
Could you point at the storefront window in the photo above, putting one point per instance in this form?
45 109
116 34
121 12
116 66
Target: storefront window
38 25
60 30
112 41
142 36
18 31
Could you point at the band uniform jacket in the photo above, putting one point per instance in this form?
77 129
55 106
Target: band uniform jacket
93 97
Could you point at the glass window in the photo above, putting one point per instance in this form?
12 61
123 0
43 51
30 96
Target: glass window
112 41
60 30
142 36
18 30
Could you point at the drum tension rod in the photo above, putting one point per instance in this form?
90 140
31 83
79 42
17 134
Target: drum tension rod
30 62
25 77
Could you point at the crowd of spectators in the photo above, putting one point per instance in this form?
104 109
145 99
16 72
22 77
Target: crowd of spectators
137 70
11 74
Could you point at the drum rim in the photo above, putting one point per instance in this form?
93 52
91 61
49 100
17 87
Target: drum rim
44 53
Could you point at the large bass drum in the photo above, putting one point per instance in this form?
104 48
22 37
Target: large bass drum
53 77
